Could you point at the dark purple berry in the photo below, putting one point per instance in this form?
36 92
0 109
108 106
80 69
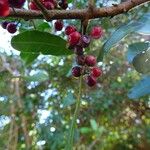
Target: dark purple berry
4 24
11 27
16 3
78 50
76 71
63 5
91 81
58 25
90 60
85 41
80 60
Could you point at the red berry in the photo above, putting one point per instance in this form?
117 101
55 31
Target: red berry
74 38
80 60
96 32
91 81
11 28
49 5
90 60
4 8
76 71
96 71
69 30
52 1
58 25
33 6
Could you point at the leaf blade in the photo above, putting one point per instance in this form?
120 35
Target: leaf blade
40 42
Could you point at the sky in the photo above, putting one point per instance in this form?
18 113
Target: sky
5 38
5 45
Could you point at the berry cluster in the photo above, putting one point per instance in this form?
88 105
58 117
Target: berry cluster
49 4
5 4
11 27
86 64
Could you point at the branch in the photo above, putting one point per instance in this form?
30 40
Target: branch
24 122
91 4
78 14
43 9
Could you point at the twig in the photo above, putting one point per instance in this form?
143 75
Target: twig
78 14
43 9
91 4
73 124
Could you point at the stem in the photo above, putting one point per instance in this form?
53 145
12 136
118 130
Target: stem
73 124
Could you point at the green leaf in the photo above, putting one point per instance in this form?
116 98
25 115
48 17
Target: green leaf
40 76
140 89
122 31
85 130
145 29
40 42
116 36
141 62
43 26
70 1
68 100
93 124
135 49
28 58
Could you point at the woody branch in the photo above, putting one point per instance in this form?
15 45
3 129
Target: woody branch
78 13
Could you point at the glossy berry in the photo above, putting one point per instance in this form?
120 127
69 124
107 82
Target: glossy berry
4 24
74 38
49 5
96 72
52 1
16 3
70 29
80 60
91 81
76 71
58 25
90 60
63 5
78 50
11 28
85 41
4 8
33 6
96 32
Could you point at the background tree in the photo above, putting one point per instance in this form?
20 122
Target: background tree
38 93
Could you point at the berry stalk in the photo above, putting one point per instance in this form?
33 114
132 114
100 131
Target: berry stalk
73 124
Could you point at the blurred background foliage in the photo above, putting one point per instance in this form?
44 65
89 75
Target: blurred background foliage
38 93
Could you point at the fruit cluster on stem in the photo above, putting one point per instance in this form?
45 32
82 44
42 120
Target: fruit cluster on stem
11 27
86 64
49 4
